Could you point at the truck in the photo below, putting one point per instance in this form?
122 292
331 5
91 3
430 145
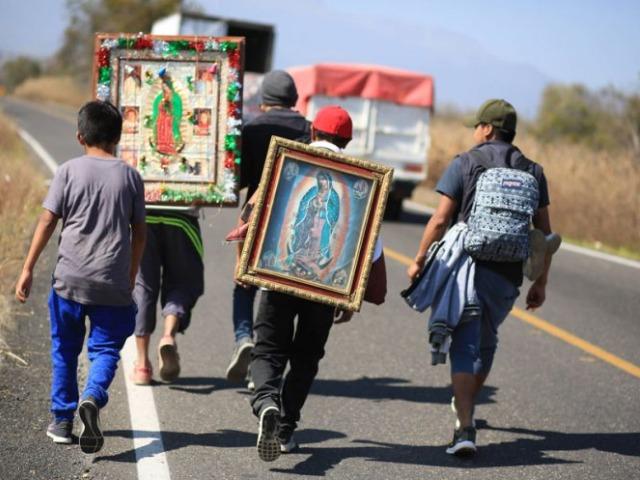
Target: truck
390 109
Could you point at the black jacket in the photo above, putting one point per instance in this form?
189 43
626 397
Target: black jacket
256 136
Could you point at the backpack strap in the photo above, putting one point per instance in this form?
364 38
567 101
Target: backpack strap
481 158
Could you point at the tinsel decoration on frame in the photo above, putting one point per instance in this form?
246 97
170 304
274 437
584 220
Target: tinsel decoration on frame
112 48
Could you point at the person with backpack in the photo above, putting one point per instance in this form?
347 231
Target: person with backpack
496 192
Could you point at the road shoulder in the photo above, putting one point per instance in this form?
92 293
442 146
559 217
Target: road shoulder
24 392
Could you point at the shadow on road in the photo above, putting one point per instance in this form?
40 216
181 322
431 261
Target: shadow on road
202 385
627 443
533 449
519 452
390 388
219 439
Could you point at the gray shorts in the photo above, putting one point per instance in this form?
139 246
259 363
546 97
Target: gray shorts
171 269
475 339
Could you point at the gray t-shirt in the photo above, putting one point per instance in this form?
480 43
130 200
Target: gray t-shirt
98 199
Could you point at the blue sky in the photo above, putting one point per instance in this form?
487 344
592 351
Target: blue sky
473 49
592 42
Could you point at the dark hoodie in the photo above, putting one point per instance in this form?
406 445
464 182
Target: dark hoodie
256 136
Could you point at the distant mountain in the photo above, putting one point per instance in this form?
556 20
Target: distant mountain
465 73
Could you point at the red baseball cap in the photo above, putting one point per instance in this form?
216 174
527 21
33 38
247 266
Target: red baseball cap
334 120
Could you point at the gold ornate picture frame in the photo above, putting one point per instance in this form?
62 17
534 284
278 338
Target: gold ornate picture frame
314 224
181 102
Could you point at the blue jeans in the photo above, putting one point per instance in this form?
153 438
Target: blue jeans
475 340
109 328
243 299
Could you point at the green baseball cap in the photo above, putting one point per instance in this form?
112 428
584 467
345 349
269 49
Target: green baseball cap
496 112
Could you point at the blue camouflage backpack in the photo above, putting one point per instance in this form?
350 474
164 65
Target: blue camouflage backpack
504 204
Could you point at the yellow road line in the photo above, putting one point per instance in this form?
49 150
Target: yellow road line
398 256
551 329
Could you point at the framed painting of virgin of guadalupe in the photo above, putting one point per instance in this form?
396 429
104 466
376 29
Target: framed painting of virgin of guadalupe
314 224
180 99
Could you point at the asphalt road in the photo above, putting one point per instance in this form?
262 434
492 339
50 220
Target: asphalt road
378 410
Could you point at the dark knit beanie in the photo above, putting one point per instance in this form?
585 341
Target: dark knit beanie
278 88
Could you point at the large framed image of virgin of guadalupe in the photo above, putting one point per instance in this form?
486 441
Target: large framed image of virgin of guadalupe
314 225
181 103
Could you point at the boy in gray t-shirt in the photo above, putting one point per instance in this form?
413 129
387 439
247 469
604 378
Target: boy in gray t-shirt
100 200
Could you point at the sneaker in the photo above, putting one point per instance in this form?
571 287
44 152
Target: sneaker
288 443
268 444
91 439
454 410
60 431
239 365
463 443
141 375
168 359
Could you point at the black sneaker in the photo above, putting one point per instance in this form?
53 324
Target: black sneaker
239 365
268 444
91 439
60 431
288 443
463 443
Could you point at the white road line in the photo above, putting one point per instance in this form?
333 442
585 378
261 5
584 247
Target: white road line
39 149
602 256
151 460
417 207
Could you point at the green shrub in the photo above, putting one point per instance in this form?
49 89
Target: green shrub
607 119
16 71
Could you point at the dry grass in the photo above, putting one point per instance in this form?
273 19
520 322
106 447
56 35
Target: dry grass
595 196
22 191
63 90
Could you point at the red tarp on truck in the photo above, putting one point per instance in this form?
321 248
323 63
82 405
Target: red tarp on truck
367 81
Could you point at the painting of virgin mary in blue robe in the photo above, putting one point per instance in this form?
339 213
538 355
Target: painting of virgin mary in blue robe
316 220
315 224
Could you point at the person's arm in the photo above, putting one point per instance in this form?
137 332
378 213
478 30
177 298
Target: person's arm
45 228
537 292
138 226
434 230
138 240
